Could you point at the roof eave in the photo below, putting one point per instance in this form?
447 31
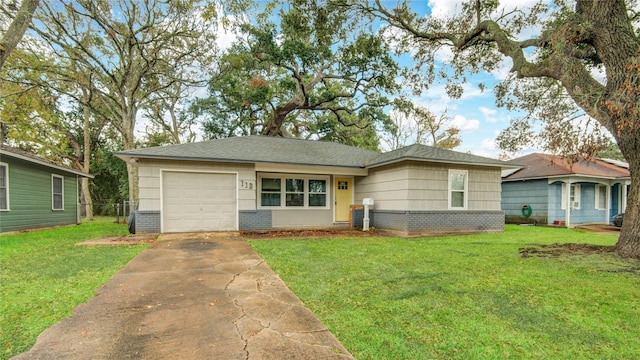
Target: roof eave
47 164
131 157
410 158
566 176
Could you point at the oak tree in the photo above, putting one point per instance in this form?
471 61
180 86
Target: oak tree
312 73
127 53
415 124
553 71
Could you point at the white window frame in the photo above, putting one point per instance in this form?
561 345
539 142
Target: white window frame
53 193
308 193
465 192
6 187
601 189
574 198
283 193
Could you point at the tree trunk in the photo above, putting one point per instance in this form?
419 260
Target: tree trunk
16 30
629 241
275 124
128 139
86 196
84 182
132 174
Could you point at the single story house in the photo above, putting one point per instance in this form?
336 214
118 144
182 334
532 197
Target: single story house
35 192
555 192
259 183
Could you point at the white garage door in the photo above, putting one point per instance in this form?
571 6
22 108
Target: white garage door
198 202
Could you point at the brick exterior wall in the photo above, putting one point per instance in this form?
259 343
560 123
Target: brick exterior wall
255 220
147 221
433 221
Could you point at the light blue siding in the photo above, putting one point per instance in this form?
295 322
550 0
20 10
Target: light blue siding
587 212
516 194
615 200
556 213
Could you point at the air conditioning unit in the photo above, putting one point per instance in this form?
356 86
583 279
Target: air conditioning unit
575 205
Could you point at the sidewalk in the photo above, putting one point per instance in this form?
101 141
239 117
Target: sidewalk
191 296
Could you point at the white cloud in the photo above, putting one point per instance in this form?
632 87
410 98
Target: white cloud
501 72
436 95
486 111
489 145
488 114
445 8
449 8
464 124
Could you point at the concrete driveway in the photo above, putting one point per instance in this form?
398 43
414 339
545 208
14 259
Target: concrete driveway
191 296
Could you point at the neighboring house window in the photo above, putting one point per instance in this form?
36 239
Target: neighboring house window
4 187
458 189
57 191
601 197
293 191
574 196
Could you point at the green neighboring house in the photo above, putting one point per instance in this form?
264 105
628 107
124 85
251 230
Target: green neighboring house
35 192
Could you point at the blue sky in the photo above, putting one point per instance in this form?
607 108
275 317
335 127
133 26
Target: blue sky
475 113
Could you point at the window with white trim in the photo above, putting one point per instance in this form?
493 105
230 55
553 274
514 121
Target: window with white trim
293 191
4 187
270 192
601 197
57 192
574 196
317 193
458 185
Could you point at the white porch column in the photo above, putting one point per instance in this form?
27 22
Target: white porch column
567 214
608 211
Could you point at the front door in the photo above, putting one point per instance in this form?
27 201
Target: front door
344 196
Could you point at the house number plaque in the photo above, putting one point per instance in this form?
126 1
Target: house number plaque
247 184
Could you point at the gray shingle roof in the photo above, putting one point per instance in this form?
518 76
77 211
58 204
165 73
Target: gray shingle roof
263 149
6 150
428 153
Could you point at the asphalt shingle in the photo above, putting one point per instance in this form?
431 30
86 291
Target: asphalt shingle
263 149
543 165
428 153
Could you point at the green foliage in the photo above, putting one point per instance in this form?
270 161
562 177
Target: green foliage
44 276
110 185
32 113
312 75
611 151
466 297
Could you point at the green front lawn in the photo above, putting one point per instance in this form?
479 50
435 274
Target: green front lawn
43 276
466 297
